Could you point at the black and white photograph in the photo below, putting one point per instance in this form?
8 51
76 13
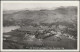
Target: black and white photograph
40 25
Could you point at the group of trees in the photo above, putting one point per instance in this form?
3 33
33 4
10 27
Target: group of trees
8 23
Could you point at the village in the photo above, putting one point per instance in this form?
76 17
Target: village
38 36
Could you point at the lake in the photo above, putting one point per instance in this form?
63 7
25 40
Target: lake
9 28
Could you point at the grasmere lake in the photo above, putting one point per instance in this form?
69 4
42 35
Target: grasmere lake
9 28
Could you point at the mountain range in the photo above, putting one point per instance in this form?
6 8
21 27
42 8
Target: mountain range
24 17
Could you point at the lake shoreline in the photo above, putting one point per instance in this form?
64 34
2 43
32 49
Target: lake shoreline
9 28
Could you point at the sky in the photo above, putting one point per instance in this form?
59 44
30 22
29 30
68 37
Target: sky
35 5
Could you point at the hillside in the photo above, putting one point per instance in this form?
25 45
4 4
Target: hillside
61 14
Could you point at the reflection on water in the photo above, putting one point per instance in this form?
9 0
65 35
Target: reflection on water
6 35
9 28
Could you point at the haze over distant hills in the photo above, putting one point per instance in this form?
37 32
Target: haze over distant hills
60 14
